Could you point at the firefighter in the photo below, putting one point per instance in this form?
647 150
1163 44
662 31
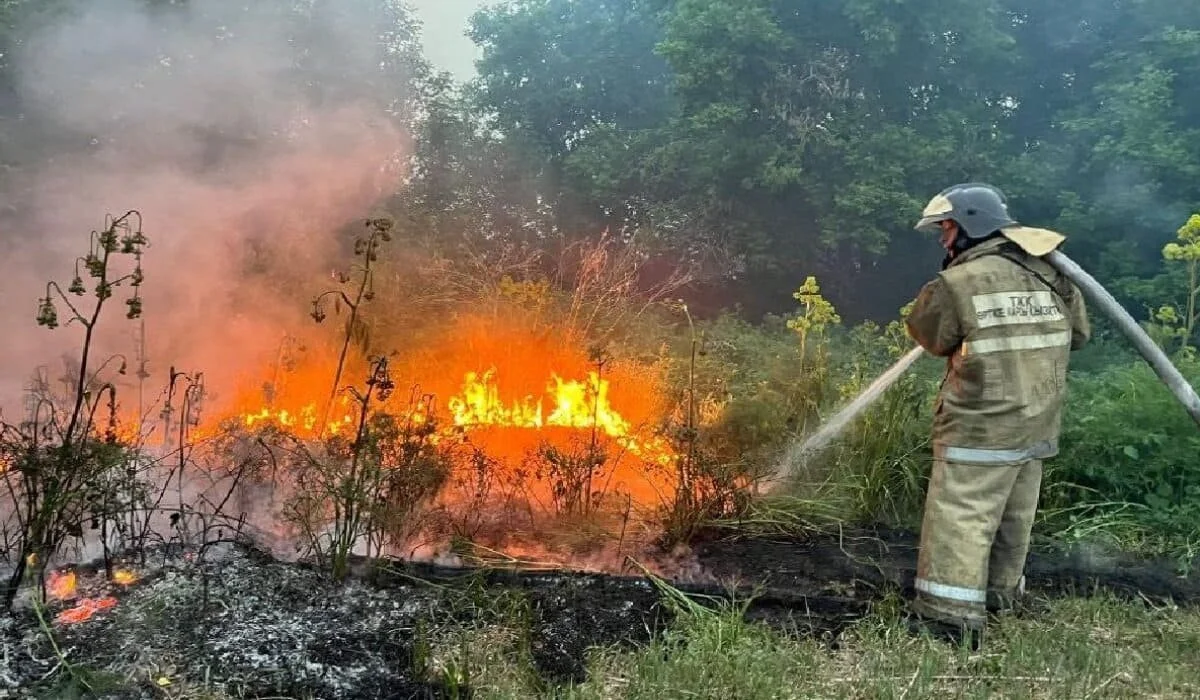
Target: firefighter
1006 322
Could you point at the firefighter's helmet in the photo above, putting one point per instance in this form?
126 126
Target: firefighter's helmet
979 210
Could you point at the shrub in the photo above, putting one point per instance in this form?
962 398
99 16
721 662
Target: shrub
65 468
1127 441
1126 466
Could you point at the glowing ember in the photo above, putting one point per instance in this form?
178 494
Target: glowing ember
124 577
86 608
60 585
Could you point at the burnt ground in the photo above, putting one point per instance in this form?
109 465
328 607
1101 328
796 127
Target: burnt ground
863 562
264 628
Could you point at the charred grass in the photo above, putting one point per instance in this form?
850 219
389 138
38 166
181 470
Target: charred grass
821 619
788 603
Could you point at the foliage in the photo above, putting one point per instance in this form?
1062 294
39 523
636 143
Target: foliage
817 315
1127 441
362 491
1185 249
1123 472
713 648
63 465
758 394
762 137
717 653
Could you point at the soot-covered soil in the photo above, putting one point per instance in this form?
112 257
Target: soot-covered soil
264 628
256 627
862 562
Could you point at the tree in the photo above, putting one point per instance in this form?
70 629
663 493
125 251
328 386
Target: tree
765 136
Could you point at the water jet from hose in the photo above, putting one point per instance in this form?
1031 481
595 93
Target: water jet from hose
799 451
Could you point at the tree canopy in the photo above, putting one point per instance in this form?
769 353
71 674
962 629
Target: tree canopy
761 140
771 139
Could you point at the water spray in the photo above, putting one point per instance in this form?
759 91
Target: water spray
799 451
830 429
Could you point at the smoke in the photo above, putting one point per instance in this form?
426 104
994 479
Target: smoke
249 138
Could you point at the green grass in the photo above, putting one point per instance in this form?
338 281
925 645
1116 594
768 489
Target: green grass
1125 476
1094 648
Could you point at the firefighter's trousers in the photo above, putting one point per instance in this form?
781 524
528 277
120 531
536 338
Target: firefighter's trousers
974 539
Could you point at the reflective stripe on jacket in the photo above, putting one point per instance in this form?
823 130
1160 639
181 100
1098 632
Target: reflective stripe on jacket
1006 322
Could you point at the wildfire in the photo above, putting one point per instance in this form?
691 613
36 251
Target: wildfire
86 608
575 404
515 391
305 420
124 577
63 586
60 585
581 405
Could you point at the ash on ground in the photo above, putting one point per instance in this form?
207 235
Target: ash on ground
245 625
236 622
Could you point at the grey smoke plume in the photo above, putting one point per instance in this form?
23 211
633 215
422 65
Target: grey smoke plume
249 135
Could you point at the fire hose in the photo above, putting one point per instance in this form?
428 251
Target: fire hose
1091 289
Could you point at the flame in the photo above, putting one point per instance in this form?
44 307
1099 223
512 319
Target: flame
304 420
575 404
61 585
566 403
518 392
124 577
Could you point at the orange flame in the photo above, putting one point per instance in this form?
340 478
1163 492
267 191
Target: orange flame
575 405
304 421
564 403
61 585
509 387
581 405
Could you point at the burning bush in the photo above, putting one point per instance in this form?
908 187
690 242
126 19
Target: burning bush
64 466
526 401
364 487
525 419
508 408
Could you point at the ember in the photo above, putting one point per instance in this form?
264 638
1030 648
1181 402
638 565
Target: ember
86 608
124 577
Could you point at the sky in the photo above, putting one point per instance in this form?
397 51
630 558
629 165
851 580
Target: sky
446 44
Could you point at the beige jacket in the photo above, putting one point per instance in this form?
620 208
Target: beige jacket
1007 336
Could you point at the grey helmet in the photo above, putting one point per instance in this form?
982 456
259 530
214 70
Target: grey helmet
979 209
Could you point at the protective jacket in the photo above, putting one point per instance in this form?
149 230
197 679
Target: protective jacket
1006 321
